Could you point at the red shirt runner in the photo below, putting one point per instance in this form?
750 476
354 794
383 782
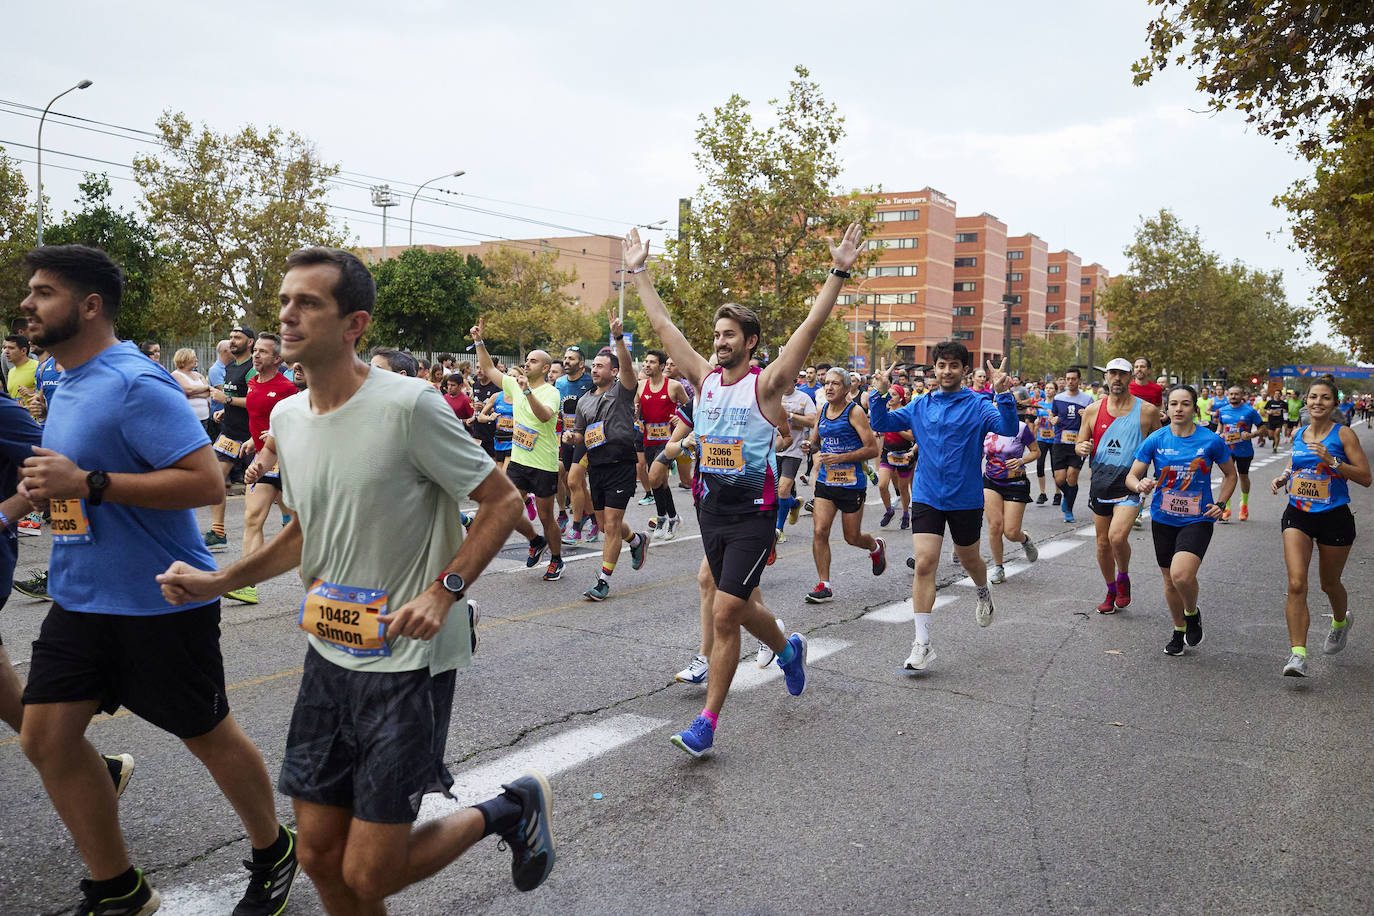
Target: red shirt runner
655 410
1149 391
262 397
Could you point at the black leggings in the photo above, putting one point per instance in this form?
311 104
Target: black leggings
1040 462
663 496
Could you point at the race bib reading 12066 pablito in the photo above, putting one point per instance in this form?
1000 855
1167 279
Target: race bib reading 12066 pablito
722 454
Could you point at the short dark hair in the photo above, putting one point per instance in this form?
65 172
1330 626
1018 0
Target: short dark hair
19 339
657 354
950 350
401 363
442 357
1149 365
147 347
610 355
355 290
275 338
1074 370
88 269
822 367
746 318
1192 392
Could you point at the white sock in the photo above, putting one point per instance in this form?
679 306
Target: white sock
922 628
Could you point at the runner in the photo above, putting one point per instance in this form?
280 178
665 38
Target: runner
1182 513
1239 423
121 487
801 419
500 415
1044 440
1065 461
843 440
948 426
1204 409
572 473
604 427
367 735
1115 428
1275 408
233 446
1006 493
533 466
1294 413
1141 386
1325 460
656 403
896 463
684 460
735 482
21 380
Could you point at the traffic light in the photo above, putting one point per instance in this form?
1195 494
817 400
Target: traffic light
1254 380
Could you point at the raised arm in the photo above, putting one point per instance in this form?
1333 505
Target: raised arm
1006 421
629 380
693 364
773 380
494 375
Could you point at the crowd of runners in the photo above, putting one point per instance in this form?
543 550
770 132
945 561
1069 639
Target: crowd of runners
398 482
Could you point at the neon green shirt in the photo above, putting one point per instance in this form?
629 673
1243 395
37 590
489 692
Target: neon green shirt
534 443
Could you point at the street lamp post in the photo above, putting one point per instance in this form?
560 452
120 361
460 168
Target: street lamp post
410 241
656 224
84 84
381 197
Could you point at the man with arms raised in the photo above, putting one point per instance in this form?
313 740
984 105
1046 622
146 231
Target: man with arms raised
367 736
736 479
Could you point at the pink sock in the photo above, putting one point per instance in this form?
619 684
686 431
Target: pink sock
710 717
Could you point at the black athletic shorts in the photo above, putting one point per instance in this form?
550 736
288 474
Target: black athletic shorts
541 483
788 466
1242 464
1332 528
737 548
613 484
1013 491
569 455
165 668
965 525
1171 539
369 741
847 499
244 459
1063 456
1107 510
1290 424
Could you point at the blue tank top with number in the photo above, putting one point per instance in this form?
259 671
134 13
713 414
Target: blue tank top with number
737 470
1113 453
1314 486
505 423
837 437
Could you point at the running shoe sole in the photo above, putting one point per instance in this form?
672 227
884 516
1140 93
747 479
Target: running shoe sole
681 745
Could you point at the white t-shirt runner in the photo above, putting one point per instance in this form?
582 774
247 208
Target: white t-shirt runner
798 402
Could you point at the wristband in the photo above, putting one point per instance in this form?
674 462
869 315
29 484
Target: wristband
842 274
639 270
479 343
528 392
620 337
5 519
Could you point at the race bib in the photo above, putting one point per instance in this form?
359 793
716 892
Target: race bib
1015 472
1069 437
657 432
505 423
899 459
569 420
595 435
1302 485
69 522
226 446
1177 502
345 617
1230 437
524 437
722 455
840 475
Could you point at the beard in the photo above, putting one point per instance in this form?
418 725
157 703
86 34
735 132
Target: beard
729 359
52 333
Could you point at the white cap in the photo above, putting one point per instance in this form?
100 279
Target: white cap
1119 363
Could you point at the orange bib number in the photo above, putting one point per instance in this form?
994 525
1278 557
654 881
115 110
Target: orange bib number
595 436
657 432
1069 437
69 522
230 447
1230 437
524 437
899 459
1303 485
722 455
840 475
346 617
1177 502
505 423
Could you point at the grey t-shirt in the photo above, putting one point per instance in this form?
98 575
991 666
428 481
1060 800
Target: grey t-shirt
376 485
798 402
606 420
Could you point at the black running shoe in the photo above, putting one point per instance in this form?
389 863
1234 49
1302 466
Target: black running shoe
531 841
1041 499
1192 632
36 586
141 901
1058 497
1175 646
269 885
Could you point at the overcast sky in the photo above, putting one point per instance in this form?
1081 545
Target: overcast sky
1024 110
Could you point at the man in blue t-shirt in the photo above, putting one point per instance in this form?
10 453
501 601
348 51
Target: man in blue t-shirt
122 487
1066 415
1237 424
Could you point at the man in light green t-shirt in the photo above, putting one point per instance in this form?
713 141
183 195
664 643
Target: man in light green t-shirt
533 464
23 369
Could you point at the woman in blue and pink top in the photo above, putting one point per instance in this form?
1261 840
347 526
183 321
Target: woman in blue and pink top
1326 459
1183 512
1006 493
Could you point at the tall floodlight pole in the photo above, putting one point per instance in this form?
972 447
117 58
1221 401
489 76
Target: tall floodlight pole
84 84
411 240
381 197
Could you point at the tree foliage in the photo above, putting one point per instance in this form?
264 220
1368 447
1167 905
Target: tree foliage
524 303
755 232
425 299
1180 305
232 207
16 232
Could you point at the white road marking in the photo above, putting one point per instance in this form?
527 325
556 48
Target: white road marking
509 566
1049 551
749 675
1088 532
901 611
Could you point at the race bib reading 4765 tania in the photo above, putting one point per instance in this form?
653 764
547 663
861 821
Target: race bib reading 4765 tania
346 617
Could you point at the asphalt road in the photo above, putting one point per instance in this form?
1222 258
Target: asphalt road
1057 762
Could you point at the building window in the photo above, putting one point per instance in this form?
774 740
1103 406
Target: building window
884 244
1015 320
965 262
1053 289
893 270
964 237
1052 309
966 286
1086 281
844 300
897 216
1084 300
965 310
1016 277
1056 268
893 299
1016 300
897 325
1016 255
962 335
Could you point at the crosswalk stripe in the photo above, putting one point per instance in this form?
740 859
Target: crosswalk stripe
1049 551
900 612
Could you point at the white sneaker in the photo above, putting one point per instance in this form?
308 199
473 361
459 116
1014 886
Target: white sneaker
984 612
999 575
672 529
766 655
921 655
660 527
695 673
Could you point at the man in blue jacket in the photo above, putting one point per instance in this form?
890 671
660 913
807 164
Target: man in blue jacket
947 489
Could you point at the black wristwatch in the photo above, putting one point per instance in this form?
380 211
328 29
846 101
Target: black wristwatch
97 481
454 583
842 274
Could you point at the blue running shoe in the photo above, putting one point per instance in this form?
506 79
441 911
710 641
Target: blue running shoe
794 672
531 841
697 739
638 554
1068 518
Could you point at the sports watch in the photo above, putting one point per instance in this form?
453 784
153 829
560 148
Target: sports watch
454 583
97 481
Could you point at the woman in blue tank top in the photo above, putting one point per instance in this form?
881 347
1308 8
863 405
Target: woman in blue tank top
1326 459
501 412
843 440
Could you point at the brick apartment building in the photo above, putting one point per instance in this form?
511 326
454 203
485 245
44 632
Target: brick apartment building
1028 261
980 279
1091 286
1062 282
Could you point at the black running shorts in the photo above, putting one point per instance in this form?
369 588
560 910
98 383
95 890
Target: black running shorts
541 483
612 485
569 455
1332 528
1242 464
1015 490
965 525
737 548
1064 456
847 499
165 668
1171 539
369 741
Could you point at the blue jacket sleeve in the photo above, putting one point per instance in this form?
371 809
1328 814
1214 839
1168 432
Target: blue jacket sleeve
18 432
1002 419
883 421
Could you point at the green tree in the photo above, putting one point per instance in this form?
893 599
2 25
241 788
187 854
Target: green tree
755 231
1050 355
232 207
16 233
425 299
524 303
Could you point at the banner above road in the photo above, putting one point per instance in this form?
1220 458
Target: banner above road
1314 371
